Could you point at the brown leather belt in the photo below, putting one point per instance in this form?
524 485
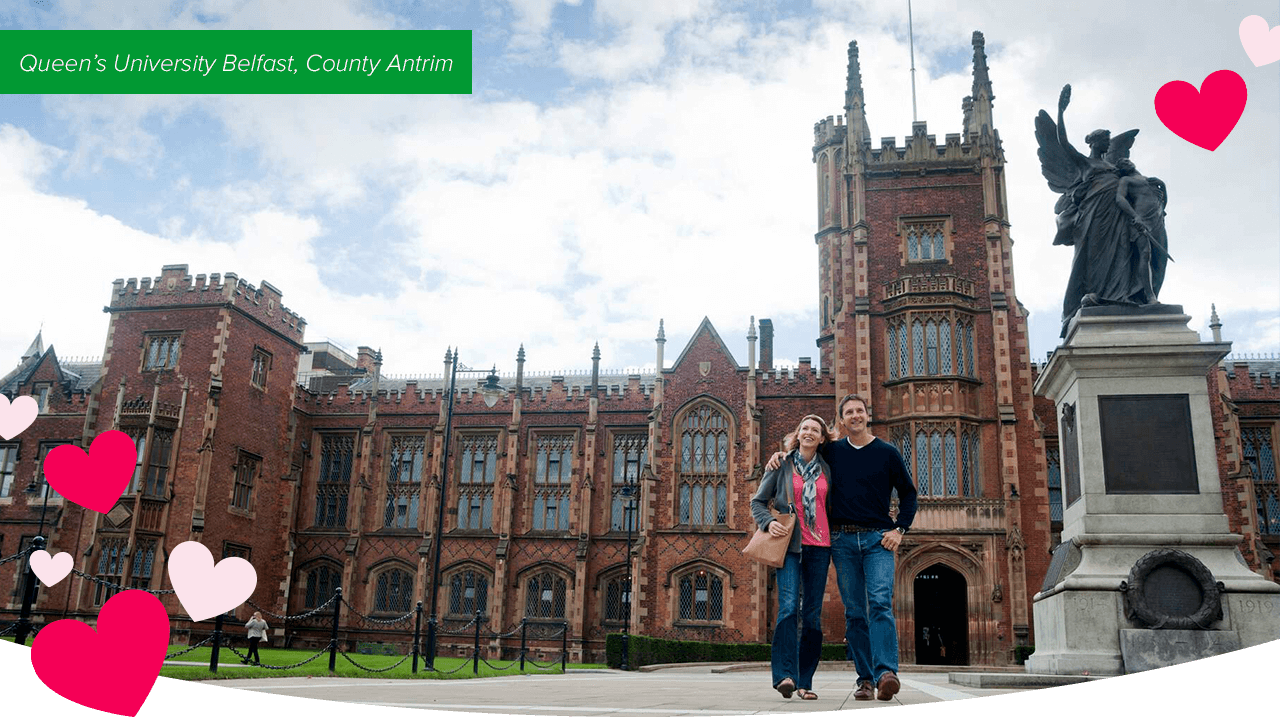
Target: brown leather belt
851 529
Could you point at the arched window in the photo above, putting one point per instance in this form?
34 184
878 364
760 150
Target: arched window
477 467
701 597
617 598
468 593
825 206
902 350
394 591
544 596
552 482
893 352
704 467
944 334
939 251
917 342
321 581
935 448
949 462
931 346
968 350
960 363
922 463
913 246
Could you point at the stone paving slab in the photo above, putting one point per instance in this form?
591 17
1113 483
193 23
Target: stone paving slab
686 691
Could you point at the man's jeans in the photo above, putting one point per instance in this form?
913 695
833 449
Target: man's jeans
792 658
864 572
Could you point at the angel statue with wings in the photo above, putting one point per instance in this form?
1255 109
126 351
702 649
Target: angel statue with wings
1113 216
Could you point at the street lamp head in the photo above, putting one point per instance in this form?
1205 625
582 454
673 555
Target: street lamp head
492 391
33 487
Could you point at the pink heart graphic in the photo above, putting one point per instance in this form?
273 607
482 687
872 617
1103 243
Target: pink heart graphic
97 479
1261 42
206 590
16 417
50 569
1203 118
113 668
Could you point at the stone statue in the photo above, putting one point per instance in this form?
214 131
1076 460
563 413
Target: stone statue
1113 216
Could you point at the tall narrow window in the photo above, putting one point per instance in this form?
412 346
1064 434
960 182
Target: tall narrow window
939 251
8 466
404 482
704 467
922 463
913 246
960 363
917 347
1055 483
949 463
143 558
43 482
973 464
337 452
902 350
1259 454
111 559
552 482
261 365
247 468
931 346
630 454
944 334
968 349
893 352
935 448
158 465
477 467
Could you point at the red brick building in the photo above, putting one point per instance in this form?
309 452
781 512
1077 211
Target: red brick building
329 477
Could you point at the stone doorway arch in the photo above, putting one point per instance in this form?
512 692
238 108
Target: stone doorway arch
941 616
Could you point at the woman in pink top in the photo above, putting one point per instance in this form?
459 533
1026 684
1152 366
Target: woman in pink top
799 485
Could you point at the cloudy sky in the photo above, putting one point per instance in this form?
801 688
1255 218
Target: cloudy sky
619 162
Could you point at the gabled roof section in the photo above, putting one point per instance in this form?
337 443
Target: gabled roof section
705 327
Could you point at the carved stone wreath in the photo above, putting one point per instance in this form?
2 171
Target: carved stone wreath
1141 607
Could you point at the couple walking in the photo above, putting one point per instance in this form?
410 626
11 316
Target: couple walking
840 492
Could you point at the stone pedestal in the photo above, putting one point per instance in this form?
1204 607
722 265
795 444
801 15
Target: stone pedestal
1139 474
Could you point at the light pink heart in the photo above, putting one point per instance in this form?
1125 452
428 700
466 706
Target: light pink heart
50 569
206 590
1261 42
16 417
97 479
112 668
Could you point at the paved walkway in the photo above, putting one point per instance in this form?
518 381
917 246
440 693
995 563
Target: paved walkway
683 691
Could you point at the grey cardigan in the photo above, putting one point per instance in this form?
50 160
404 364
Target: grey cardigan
778 489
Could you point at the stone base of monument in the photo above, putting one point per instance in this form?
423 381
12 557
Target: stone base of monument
1148 573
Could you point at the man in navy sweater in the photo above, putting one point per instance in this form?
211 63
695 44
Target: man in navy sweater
863 540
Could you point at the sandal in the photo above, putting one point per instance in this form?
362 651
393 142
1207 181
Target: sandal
806 694
786 687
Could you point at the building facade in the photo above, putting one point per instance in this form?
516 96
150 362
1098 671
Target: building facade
324 473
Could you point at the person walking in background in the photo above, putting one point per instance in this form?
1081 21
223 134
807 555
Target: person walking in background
799 484
257 632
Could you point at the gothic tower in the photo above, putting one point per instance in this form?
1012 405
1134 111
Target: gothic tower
917 311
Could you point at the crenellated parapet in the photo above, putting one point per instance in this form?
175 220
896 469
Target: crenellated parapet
801 379
920 146
830 131
176 288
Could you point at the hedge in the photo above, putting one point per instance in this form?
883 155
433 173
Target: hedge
646 651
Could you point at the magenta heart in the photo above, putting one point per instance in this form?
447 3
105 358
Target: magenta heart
94 480
1203 118
113 668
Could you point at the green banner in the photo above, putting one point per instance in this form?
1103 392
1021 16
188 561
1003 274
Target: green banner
231 62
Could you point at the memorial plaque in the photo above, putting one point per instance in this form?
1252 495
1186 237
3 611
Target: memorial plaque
1070 454
1146 444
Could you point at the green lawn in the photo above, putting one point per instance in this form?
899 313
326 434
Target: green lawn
229 666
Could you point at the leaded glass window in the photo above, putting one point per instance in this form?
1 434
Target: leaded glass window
552 482
246 478
337 452
630 455
944 334
939 251
935 448
931 346
477 469
949 462
544 596
922 463
1055 483
917 341
617 598
110 569
393 592
158 465
968 350
321 582
701 597
913 246
704 467
468 593
893 352
161 352
143 558
1258 452
404 482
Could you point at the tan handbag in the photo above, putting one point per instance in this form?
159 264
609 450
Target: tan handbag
768 549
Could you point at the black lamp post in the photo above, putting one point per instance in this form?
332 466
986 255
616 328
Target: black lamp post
29 589
629 492
491 391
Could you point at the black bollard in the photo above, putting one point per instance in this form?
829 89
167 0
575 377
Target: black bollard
564 648
475 655
417 634
217 644
524 641
333 637
28 596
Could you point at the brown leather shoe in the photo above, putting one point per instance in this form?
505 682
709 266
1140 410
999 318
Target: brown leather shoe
865 691
888 686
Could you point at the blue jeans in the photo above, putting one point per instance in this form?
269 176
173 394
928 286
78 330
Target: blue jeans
864 572
801 582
